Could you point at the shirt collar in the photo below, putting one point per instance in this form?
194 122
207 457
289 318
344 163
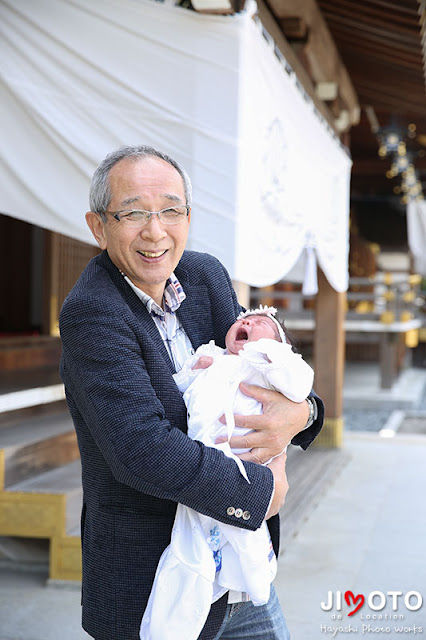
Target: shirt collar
173 296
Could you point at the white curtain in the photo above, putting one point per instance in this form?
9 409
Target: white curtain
416 231
78 79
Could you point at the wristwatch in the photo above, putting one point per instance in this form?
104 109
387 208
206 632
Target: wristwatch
313 412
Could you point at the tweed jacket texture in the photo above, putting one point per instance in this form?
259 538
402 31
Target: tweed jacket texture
130 420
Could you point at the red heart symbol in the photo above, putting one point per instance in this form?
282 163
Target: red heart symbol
359 597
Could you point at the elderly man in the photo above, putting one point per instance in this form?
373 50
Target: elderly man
136 313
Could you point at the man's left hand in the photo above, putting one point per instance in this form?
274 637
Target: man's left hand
271 431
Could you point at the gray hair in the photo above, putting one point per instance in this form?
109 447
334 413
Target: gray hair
100 192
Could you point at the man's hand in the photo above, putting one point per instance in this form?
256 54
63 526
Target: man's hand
272 431
277 466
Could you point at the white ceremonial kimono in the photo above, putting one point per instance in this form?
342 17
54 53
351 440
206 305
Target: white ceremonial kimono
206 557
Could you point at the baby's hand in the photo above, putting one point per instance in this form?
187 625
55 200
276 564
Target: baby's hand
203 362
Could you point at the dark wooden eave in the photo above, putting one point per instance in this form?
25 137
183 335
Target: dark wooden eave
380 42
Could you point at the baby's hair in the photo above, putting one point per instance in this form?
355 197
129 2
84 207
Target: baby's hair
277 335
290 339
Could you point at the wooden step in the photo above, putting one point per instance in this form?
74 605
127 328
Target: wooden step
48 506
40 471
15 417
23 379
24 554
65 558
37 445
31 397
64 479
42 506
27 352
29 387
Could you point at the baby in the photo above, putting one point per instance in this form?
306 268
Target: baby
206 558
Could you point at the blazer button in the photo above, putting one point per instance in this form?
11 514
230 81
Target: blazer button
246 515
238 513
230 511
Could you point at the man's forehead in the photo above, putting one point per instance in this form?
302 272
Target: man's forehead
149 166
131 176
170 197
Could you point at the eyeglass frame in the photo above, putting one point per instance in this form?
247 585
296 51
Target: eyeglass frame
116 214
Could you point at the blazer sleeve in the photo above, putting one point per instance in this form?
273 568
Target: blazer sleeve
104 371
307 436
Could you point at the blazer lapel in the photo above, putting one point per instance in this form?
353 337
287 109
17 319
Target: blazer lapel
147 324
195 315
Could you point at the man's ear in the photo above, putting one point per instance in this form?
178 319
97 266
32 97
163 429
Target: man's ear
97 227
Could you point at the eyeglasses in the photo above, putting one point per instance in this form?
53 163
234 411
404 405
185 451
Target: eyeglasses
139 217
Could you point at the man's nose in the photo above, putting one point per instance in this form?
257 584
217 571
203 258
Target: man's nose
153 229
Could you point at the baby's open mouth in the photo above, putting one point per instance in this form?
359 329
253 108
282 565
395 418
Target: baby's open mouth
242 335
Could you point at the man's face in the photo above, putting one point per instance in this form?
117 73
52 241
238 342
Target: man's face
250 329
149 254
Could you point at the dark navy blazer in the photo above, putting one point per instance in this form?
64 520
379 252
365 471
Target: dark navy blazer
130 419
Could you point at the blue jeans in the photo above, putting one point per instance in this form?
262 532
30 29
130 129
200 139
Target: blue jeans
244 621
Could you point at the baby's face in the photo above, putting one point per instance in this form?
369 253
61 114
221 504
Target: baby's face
250 329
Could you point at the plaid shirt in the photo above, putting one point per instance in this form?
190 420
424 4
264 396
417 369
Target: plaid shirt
171 330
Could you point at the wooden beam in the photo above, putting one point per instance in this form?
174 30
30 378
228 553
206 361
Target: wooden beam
271 25
329 359
369 166
327 90
294 28
383 29
372 92
350 40
320 52
381 17
218 7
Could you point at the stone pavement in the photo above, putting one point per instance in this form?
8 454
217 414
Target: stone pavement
31 610
367 534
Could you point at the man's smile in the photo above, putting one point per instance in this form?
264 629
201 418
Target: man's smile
152 254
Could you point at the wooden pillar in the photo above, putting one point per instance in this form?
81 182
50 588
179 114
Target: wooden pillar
389 347
329 359
50 284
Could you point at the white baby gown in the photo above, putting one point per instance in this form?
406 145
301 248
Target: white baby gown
206 557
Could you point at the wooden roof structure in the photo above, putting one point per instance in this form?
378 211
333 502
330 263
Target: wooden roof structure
380 43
